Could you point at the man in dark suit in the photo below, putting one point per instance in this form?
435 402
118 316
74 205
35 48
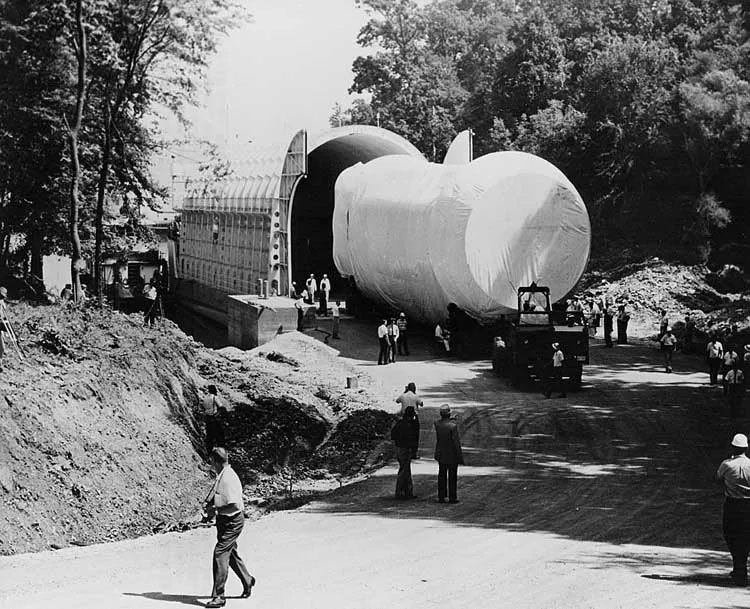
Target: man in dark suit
448 454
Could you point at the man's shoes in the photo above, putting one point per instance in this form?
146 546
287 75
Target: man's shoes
453 501
249 590
216 601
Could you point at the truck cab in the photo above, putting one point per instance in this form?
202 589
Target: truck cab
523 349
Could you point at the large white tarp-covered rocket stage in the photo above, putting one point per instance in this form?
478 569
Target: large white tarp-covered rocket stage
418 235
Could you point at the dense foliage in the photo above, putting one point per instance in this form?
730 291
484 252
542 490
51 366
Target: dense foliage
145 58
644 104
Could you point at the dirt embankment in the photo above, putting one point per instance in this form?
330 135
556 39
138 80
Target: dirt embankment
101 436
716 301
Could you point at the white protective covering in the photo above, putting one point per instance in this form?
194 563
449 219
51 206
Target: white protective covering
417 235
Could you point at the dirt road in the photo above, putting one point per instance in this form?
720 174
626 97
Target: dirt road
601 499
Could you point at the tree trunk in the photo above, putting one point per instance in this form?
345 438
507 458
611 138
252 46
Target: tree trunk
37 264
76 264
101 192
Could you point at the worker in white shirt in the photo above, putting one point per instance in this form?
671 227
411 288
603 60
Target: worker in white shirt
555 376
383 340
312 288
225 502
734 387
299 304
393 335
668 343
442 336
336 314
714 354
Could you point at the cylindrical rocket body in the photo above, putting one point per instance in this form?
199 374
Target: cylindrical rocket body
417 236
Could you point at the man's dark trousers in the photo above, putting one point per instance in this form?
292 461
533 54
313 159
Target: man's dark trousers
447 477
228 529
384 348
403 345
736 529
714 365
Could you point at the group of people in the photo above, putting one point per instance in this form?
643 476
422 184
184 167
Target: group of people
599 311
315 292
322 292
393 338
448 451
733 367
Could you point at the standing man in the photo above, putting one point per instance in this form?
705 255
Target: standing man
714 355
448 454
225 501
663 323
214 429
609 316
393 335
668 344
623 317
687 341
312 287
555 376
336 314
729 359
405 435
734 387
734 473
325 292
383 340
299 304
293 291
151 294
403 325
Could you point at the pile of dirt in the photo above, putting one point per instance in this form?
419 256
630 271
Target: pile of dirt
98 434
650 286
292 419
102 435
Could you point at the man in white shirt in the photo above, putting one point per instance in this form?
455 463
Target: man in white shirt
392 339
312 287
409 398
336 315
734 387
383 340
714 354
734 473
214 429
555 380
225 501
325 292
668 343
299 304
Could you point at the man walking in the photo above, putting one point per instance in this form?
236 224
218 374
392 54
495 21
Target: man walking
663 323
383 356
405 435
734 473
225 502
448 454
668 343
714 355
555 376
403 325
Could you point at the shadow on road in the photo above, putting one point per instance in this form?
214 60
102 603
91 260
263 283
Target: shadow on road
184 599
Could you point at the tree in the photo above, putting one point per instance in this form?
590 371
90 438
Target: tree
74 129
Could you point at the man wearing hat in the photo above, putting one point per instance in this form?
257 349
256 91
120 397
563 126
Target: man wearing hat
555 377
448 454
734 473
